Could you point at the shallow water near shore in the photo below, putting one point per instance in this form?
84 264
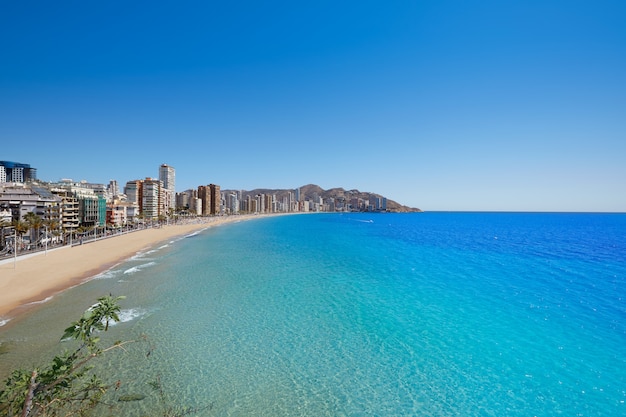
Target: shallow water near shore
430 314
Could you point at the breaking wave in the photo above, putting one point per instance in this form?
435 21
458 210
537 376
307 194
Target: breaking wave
138 268
130 314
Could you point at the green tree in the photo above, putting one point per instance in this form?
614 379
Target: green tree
52 226
20 228
82 229
68 386
34 222
171 214
64 387
68 235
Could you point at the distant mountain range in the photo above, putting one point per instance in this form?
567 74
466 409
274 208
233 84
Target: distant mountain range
312 192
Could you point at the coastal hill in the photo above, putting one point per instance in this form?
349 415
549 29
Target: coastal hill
312 192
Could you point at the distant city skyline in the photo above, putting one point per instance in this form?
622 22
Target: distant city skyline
452 105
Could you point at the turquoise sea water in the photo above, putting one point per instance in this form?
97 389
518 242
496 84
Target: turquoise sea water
430 314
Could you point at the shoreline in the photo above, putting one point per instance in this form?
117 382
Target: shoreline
35 279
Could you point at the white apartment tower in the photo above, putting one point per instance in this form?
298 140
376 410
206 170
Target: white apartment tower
133 191
113 188
167 175
151 202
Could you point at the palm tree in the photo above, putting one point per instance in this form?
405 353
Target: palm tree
68 235
171 214
20 228
34 222
52 226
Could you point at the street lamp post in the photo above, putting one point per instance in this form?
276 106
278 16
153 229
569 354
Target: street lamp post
15 248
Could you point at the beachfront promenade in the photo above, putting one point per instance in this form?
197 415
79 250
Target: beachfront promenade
27 251
32 250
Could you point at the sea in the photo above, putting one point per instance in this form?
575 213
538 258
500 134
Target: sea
361 314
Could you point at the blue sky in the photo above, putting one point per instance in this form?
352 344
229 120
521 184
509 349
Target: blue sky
442 105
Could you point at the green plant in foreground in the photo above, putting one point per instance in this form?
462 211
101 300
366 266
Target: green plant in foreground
65 386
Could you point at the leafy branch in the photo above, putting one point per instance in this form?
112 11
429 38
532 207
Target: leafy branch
65 387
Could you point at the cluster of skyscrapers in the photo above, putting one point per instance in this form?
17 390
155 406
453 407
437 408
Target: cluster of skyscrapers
70 205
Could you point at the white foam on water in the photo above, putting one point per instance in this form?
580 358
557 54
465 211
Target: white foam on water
139 268
141 256
144 255
125 316
130 315
4 321
45 300
111 273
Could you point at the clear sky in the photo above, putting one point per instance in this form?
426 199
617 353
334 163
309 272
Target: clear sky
442 105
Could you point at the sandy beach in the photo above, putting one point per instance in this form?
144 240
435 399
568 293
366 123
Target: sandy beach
36 277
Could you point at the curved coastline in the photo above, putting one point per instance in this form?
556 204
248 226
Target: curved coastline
35 279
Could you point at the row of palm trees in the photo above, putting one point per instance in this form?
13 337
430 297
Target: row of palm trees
31 222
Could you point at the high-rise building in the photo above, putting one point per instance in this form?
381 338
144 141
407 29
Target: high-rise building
182 200
113 188
211 199
195 206
17 172
70 209
167 175
91 206
232 203
260 203
216 199
151 198
204 195
133 192
270 203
